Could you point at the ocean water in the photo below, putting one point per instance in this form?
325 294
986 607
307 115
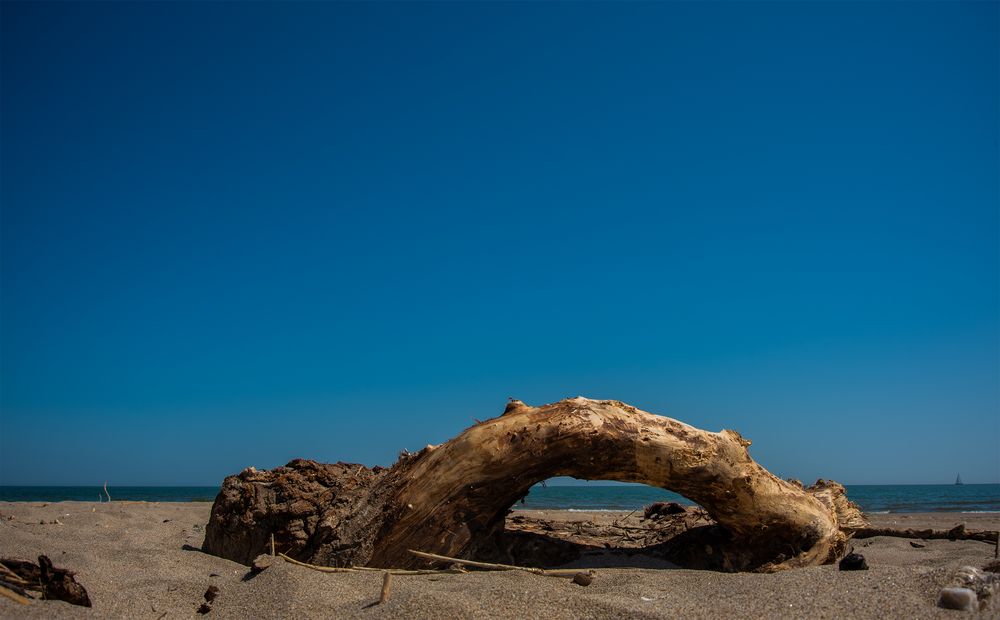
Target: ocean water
871 498
94 494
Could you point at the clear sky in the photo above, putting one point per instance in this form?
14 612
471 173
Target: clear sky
234 234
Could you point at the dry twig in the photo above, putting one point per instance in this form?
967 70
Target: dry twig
13 587
490 566
386 584
366 569
14 596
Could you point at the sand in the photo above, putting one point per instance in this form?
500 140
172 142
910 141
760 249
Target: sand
131 557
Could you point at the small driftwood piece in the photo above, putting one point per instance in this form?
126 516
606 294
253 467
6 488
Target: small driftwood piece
956 533
44 578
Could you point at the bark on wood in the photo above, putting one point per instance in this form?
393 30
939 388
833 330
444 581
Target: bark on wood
452 499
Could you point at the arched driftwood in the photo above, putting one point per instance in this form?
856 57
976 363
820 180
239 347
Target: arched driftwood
452 499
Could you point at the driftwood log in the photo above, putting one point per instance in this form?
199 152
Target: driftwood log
453 499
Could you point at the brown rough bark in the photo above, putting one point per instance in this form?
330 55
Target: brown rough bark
452 499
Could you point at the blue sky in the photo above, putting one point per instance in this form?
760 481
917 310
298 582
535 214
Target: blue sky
234 234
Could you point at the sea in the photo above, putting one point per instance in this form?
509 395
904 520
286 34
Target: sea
590 497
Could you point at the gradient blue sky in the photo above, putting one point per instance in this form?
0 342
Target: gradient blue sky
234 234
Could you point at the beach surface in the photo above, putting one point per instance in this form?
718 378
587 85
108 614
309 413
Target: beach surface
141 560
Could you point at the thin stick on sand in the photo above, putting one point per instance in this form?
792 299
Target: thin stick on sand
366 569
322 569
570 572
386 584
14 596
15 588
625 518
272 543
106 490
489 566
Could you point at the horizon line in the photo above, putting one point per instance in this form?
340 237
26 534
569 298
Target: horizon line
614 484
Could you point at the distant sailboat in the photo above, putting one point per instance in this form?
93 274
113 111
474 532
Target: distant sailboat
958 479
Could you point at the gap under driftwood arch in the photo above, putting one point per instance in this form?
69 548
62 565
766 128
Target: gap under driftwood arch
600 525
582 495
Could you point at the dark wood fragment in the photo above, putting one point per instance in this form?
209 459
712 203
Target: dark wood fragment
51 582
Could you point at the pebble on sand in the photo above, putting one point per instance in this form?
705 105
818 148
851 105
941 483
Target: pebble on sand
263 561
853 561
583 579
211 593
962 599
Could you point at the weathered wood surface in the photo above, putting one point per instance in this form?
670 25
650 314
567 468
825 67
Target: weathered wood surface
452 499
956 533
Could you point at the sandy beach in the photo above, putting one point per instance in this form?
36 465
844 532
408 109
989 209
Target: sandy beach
141 560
